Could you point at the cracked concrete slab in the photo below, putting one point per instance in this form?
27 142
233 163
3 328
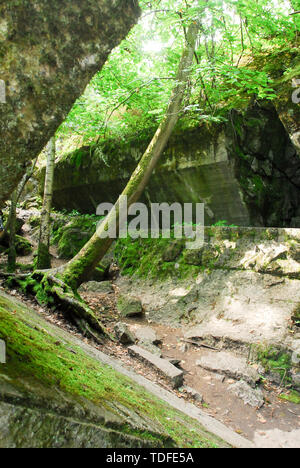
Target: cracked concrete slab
163 366
228 364
250 396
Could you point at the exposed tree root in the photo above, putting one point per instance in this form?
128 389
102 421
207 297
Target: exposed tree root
47 288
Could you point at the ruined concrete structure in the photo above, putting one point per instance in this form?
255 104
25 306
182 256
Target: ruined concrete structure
246 171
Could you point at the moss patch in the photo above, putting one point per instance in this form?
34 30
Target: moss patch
292 397
151 258
275 361
71 237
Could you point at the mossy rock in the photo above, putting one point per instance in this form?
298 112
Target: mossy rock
70 234
99 274
173 251
61 395
296 315
210 255
72 241
275 361
129 306
23 246
103 287
193 257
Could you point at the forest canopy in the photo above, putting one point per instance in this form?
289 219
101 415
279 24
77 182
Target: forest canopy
244 48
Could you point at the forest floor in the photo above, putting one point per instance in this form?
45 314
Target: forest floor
276 424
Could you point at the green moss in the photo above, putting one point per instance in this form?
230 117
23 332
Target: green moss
34 353
145 258
39 287
292 397
275 361
71 237
23 246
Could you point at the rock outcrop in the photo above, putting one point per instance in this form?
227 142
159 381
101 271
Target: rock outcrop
239 292
49 52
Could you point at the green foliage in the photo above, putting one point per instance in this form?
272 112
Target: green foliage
72 236
292 397
243 47
223 223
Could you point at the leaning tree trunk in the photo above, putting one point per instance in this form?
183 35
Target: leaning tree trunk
44 258
81 266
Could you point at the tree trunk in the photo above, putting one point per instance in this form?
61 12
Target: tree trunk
44 258
82 265
12 256
19 191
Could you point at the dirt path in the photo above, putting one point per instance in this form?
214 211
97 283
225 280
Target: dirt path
276 424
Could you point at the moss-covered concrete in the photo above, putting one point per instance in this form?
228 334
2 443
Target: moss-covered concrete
60 396
270 251
245 171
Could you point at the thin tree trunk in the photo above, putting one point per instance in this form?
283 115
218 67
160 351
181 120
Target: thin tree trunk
19 191
44 258
81 266
12 255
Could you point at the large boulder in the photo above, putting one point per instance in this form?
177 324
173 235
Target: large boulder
129 306
49 53
123 333
57 391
